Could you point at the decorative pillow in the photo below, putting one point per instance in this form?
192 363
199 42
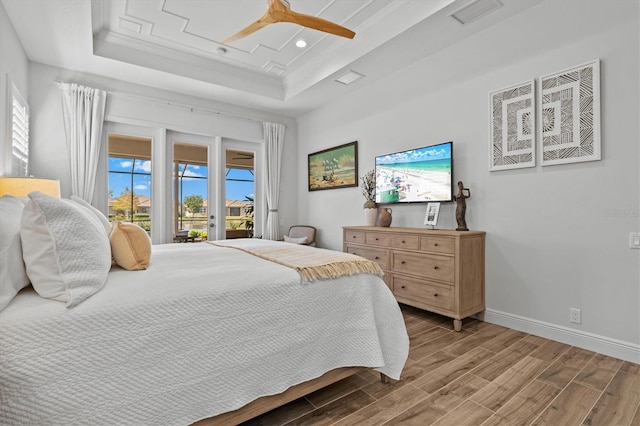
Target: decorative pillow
300 240
130 246
65 249
13 275
101 217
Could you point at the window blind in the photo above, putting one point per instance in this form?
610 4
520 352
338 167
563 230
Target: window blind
20 137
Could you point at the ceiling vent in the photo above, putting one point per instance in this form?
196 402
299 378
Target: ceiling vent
475 10
349 77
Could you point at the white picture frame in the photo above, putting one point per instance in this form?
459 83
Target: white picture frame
431 214
512 127
569 110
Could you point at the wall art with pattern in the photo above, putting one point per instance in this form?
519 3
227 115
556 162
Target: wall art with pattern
570 115
513 129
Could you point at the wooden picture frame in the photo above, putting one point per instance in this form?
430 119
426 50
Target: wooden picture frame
431 215
333 168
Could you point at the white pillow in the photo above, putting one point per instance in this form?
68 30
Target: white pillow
65 249
13 275
101 217
299 240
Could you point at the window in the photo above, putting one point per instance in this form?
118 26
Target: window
240 191
130 180
19 135
192 191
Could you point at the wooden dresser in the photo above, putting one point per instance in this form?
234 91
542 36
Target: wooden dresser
436 270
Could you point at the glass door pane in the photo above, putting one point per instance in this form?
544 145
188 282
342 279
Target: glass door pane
240 193
190 192
130 179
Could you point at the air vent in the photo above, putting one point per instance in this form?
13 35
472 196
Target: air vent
349 77
475 10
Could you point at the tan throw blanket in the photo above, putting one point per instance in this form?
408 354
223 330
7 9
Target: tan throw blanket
311 262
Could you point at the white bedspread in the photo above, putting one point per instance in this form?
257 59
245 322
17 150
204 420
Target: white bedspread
203 331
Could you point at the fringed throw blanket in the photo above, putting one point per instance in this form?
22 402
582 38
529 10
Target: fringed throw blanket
312 263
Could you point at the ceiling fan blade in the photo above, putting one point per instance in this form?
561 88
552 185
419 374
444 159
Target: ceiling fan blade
250 29
279 11
319 24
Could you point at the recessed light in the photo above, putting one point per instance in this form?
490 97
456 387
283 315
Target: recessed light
301 43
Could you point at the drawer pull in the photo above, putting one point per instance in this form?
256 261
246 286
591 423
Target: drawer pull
353 236
376 239
403 241
377 257
402 286
435 295
436 267
403 262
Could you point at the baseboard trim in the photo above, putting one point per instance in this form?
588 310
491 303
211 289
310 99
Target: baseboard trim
593 342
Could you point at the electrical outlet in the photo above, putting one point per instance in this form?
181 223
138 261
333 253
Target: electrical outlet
634 240
575 315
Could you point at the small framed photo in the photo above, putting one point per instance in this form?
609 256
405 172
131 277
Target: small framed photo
431 215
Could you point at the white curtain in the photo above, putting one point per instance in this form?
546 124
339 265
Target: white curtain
274 141
83 112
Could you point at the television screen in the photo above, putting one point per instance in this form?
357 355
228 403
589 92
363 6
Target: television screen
416 175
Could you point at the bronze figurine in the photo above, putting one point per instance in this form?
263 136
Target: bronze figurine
461 208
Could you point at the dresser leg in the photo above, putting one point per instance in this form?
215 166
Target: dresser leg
457 325
383 378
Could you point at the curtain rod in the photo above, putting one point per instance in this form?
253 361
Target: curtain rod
172 103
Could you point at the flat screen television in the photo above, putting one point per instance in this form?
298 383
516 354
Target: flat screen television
415 175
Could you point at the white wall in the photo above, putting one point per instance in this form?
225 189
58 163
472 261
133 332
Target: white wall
156 109
14 66
552 242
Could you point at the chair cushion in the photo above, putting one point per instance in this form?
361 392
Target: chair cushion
300 240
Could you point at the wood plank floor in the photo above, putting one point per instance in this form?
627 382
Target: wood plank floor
484 375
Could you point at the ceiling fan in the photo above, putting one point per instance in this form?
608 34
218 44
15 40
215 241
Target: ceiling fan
280 11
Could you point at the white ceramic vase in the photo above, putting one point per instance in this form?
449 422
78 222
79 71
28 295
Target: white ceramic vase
370 217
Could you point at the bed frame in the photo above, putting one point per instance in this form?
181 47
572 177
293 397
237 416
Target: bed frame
267 403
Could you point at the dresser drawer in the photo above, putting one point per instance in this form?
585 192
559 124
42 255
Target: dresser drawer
422 292
378 238
424 265
354 236
407 242
378 255
442 245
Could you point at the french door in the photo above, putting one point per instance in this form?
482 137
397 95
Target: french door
195 187
180 185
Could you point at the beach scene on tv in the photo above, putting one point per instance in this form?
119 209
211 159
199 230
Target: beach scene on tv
416 175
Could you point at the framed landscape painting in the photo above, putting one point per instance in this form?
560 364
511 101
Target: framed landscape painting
335 167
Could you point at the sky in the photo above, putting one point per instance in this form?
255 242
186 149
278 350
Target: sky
192 184
433 152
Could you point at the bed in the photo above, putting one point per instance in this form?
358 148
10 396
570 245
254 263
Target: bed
204 330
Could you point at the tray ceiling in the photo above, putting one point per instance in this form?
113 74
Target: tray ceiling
176 44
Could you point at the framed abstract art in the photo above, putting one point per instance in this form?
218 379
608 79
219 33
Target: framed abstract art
512 127
570 115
